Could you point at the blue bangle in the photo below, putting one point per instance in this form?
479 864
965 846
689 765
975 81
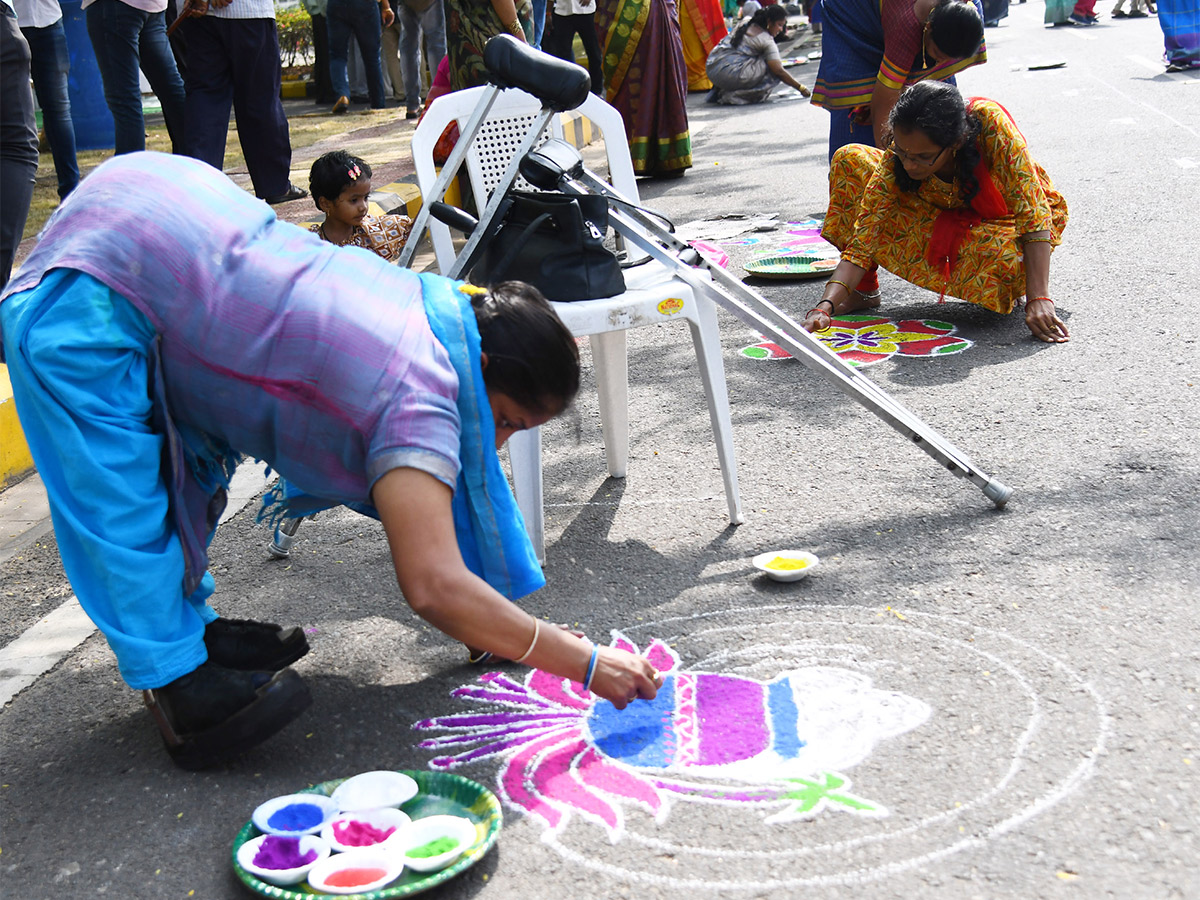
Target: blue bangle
591 669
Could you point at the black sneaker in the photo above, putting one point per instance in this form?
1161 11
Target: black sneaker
213 714
253 646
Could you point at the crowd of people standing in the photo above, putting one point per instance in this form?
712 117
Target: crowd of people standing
644 57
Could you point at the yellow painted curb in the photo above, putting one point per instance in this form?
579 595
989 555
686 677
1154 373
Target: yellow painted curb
15 460
408 192
293 90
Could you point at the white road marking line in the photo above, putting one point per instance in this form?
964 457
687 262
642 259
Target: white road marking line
1155 67
44 645
1145 105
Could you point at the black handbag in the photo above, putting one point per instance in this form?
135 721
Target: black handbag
555 242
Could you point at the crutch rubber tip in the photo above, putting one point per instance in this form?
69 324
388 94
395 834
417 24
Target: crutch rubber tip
997 493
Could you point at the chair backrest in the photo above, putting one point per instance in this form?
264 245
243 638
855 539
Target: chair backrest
508 121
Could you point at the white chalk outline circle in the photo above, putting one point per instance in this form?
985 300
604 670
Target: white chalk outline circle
1056 791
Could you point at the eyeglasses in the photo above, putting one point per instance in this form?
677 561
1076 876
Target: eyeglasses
919 159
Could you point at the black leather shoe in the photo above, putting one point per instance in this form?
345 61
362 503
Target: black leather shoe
213 714
292 193
253 646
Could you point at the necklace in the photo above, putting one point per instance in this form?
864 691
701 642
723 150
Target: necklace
325 237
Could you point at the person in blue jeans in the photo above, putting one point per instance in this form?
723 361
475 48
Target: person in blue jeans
126 37
539 21
18 138
417 18
365 20
41 23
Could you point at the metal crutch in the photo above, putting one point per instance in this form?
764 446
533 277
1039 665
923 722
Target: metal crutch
558 165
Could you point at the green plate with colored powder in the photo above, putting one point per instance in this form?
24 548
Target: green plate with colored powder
796 266
439 793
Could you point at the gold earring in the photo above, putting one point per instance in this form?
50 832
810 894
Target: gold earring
924 34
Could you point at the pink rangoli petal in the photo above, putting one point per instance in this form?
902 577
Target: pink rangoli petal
553 688
512 779
552 776
596 771
661 656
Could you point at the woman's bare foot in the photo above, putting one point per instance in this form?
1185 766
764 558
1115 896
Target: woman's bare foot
859 300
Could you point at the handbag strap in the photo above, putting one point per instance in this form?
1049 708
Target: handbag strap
497 273
645 210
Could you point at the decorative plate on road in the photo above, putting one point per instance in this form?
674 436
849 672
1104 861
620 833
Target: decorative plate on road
793 266
440 793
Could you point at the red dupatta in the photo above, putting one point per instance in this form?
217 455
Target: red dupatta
951 227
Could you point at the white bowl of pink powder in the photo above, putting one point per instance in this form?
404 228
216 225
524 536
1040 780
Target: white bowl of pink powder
282 860
366 828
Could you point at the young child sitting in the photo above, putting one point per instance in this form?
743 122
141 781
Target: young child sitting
340 184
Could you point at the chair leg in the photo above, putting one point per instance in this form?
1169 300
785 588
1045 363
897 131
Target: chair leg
525 456
612 384
706 338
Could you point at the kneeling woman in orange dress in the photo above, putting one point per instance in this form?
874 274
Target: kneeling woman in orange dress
955 204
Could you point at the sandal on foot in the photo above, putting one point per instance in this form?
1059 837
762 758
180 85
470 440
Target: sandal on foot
213 714
253 646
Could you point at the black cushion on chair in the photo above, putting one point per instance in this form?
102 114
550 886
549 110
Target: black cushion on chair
559 84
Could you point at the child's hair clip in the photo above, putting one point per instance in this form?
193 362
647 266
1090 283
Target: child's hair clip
472 290
354 172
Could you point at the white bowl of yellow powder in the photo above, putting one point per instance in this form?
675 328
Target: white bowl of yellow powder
786 565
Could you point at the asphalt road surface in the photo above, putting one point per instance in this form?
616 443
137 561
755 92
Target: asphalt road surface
994 704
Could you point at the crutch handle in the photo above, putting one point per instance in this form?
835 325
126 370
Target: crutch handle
453 216
559 84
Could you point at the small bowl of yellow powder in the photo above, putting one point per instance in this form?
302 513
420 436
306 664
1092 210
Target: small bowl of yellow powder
786 565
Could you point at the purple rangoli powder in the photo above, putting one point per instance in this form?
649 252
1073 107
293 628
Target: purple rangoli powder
296 817
282 853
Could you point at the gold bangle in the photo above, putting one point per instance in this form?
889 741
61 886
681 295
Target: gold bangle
515 28
1038 241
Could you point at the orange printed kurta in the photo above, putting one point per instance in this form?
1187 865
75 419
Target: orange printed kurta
382 235
873 221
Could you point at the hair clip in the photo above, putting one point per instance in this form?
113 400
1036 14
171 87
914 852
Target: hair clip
472 290
354 172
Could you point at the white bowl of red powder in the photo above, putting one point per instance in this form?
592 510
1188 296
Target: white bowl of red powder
365 828
356 871
282 860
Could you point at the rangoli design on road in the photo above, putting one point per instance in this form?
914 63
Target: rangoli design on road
801 238
778 746
864 340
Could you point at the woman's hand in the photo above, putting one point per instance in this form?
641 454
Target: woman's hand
817 319
1044 323
621 677
386 15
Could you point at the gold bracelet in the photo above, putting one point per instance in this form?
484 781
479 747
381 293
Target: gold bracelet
516 29
1038 241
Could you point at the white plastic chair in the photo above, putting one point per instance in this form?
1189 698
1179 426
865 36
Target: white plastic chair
653 294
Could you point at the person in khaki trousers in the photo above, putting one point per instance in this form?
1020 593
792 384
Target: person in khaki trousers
390 51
